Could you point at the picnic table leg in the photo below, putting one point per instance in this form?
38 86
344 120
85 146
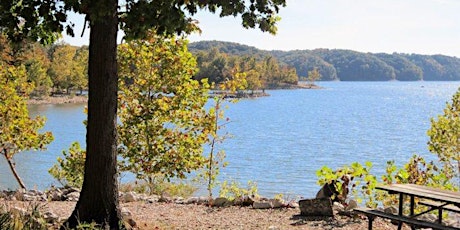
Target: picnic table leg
400 210
370 219
440 215
412 207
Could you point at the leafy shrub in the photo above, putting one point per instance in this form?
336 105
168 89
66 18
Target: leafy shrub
232 190
70 169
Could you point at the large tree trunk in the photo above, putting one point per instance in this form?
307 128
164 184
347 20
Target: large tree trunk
99 196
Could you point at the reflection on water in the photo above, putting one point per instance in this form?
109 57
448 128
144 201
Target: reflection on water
280 141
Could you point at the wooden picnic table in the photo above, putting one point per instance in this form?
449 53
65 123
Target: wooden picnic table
441 200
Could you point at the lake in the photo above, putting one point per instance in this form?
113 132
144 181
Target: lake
280 141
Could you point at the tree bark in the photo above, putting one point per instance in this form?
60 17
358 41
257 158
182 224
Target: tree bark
99 195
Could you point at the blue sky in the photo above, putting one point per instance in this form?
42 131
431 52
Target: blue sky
403 26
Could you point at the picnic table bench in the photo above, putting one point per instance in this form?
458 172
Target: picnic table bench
434 199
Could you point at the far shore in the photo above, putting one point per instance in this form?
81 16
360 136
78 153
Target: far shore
58 100
66 99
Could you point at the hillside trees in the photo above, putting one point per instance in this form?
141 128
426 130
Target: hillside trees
261 72
405 70
18 132
336 64
42 19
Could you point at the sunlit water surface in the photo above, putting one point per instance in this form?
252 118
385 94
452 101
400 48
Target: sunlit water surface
280 141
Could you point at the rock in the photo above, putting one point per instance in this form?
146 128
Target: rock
191 200
19 195
132 223
152 198
28 197
277 203
130 197
338 206
352 204
244 201
262 205
73 196
50 217
390 209
179 200
273 228
125 213
429 217
221 202
293 204
316 207
203 200
55 195
165 199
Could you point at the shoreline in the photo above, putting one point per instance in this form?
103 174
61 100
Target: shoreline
58 100
67 99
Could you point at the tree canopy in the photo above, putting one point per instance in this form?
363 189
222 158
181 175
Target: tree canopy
45 20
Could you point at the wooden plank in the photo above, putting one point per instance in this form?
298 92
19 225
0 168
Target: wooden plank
423 192
371 213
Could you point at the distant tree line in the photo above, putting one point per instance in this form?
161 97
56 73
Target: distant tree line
348 65
260 72
55 69
62 68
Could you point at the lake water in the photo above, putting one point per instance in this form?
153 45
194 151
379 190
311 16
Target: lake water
280 141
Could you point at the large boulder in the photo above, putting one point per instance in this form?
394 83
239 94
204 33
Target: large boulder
316 207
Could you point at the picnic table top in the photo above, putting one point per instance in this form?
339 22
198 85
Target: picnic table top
424 192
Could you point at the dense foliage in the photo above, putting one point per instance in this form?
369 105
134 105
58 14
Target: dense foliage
18 131
445 138
348 65
58 68
260 72
163 120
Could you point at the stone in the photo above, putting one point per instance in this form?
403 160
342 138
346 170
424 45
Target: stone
19 195
221 202
73 196
352 204
277 203
55 195
293 204
152 198
203 200
130 197
273 228
132 223
165 199
191 200
390 209
316 207
28 197
179 200
262 204
125 213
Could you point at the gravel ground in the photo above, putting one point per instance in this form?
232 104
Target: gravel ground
178 216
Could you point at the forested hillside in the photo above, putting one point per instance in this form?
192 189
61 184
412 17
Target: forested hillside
348 65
